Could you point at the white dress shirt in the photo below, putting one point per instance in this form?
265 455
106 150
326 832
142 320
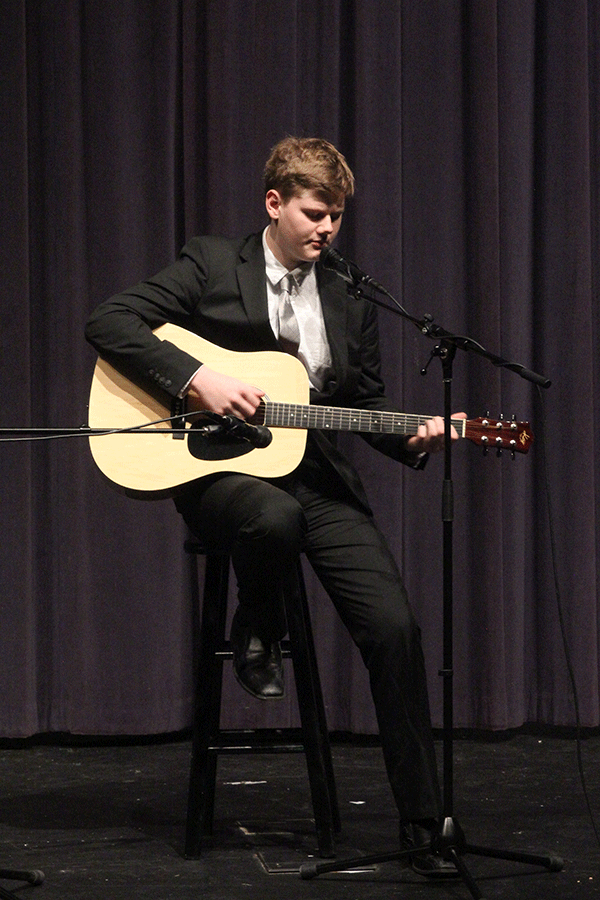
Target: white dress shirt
313 352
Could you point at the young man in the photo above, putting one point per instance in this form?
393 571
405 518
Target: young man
269 292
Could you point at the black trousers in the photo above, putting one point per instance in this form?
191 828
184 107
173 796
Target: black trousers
265 525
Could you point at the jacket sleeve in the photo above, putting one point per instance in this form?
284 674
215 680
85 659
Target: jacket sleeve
120 329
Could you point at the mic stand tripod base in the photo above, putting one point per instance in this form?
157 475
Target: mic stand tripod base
31 876
449 841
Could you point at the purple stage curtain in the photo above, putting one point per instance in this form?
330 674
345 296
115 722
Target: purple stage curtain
127 127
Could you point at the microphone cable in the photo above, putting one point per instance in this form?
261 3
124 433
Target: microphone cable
562 626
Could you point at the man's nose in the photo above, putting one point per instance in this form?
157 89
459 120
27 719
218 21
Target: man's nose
326 225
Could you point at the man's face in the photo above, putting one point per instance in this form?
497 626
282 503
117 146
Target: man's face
301 227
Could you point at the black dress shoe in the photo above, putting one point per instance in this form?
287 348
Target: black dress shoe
257 666
425 861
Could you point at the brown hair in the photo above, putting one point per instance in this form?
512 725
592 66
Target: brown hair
299 164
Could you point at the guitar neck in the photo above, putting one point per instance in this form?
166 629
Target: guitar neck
295 415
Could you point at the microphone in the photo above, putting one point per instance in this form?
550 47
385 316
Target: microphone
256 435
335 262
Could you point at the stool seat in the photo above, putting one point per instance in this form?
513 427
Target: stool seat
209 739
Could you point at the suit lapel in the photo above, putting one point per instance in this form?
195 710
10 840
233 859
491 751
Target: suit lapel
334 302
253 290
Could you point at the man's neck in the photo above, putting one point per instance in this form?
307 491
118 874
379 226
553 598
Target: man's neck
276 250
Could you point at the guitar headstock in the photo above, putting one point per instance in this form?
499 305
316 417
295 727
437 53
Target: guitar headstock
517 437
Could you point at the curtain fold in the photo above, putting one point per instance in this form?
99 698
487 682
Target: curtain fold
473 131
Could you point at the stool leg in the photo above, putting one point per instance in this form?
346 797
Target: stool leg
312 717
207 702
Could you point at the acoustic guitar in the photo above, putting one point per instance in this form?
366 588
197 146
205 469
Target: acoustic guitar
150 449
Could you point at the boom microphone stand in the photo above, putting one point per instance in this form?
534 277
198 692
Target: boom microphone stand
448 839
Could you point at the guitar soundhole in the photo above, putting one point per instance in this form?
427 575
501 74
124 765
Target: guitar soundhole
211 442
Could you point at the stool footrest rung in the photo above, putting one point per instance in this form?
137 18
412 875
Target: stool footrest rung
266 740
227 653
240 750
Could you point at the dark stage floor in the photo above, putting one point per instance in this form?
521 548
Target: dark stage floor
108 821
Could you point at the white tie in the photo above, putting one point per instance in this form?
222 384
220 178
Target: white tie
289 332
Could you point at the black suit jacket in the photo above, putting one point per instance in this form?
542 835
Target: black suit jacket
217 289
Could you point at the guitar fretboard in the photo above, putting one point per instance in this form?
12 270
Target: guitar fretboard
295 415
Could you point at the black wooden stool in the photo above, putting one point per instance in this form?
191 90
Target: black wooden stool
209 739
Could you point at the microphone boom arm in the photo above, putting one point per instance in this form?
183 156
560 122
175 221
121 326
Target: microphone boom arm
357 282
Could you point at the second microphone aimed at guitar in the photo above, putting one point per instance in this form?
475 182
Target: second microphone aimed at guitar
257 435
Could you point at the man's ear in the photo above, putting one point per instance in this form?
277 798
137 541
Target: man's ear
273 203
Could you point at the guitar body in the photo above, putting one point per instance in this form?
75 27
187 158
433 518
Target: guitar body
156 462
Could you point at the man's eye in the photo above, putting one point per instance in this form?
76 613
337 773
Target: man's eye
316 216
